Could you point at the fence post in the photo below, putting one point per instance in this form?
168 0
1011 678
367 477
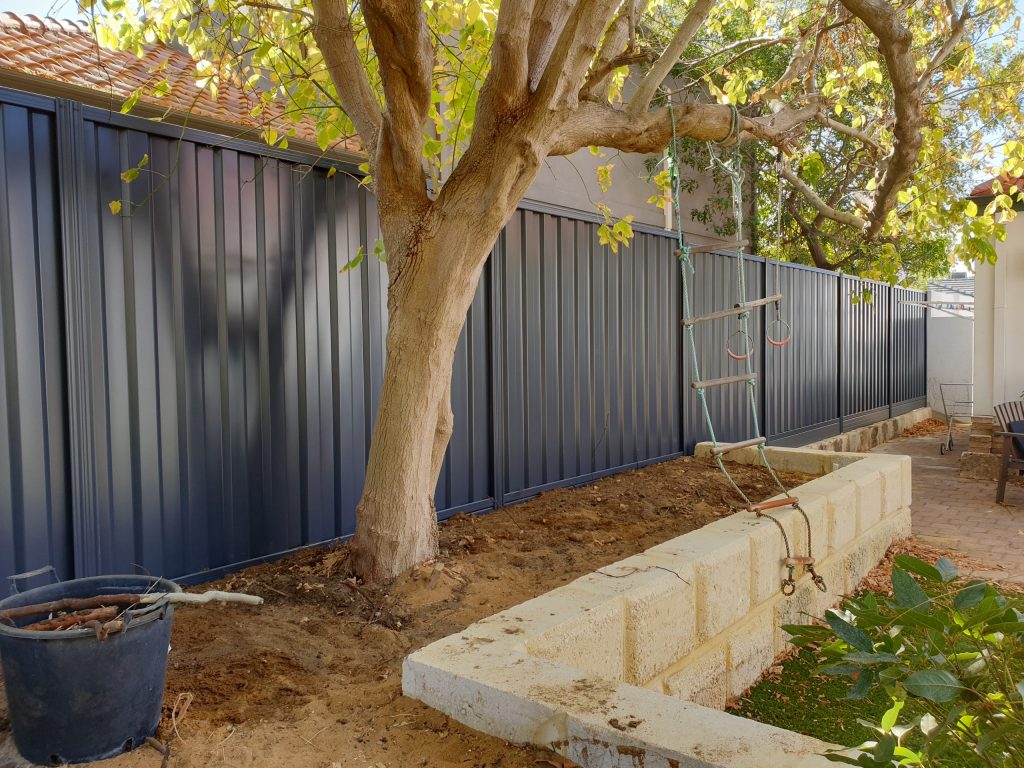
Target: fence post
762 400
70 130
840 330
496 337
889 342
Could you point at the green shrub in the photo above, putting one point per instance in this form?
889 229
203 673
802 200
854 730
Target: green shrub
950 656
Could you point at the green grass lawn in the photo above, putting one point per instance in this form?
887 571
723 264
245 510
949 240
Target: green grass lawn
803 700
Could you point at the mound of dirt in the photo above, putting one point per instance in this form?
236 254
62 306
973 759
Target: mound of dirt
312 679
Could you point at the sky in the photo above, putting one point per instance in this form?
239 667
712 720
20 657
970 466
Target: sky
64 9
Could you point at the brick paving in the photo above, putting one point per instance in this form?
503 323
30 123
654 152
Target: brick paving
954 513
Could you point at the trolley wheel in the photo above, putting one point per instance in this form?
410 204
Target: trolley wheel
942 449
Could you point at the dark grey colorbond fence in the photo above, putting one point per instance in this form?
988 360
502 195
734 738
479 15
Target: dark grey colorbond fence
193 386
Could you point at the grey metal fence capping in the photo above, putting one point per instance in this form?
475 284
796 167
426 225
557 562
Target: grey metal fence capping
192 387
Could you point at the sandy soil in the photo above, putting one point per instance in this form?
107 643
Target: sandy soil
312 679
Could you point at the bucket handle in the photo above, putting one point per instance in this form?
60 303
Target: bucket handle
14 579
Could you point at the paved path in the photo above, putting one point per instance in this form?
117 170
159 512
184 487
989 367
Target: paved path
959 514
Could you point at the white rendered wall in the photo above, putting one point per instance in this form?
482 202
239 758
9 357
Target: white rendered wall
999 323
571 182
950 356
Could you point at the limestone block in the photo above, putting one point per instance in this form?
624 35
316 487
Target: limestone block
842 526
660 619
978 465
751 651
868 484
892 477
589 640
721 567
799 608
767 550
704 679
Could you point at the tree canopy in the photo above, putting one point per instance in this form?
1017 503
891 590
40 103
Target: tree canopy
882 112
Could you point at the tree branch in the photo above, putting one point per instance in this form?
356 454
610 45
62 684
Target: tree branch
508 81
616 50
812 238
896 44
573 54
848 130
401 40
849 219
546 26
332 30
661 68
956 34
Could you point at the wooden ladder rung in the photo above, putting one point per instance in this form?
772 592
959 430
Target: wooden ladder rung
764 506
733 246
726 447
798 560
739 309
724 380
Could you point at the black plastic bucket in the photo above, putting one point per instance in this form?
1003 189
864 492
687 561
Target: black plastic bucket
73 698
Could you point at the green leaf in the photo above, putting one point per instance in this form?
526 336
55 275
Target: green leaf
355 261
130 175
933 684
947 568
848 633
906 590
970 596
884 748
130 102
920 567
861 687
891 716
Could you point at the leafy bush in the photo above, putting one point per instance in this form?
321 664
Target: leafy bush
949 654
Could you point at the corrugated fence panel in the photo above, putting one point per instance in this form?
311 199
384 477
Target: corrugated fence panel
34 503
589 342
864 345
233 415
801 396
211 373
714 287
909 324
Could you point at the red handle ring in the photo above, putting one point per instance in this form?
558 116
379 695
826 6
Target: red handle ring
787 333
749 343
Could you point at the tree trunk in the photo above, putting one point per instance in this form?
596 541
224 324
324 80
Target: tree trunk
396 524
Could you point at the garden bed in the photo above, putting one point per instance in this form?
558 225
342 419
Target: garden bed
313 679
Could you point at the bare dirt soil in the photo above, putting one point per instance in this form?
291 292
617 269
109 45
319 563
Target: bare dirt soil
312 679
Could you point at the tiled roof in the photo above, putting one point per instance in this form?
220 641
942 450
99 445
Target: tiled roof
65 52
985 188
961 285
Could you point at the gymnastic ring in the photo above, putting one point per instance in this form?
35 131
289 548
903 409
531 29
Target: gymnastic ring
786 333
749 346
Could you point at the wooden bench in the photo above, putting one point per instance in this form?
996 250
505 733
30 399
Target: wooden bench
1011 428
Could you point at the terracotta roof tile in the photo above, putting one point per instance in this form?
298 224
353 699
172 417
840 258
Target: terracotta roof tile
66 52
985 188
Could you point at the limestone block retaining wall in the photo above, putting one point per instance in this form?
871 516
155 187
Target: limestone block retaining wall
630 665
866 438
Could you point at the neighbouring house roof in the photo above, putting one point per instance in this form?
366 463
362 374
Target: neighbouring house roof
960 284
62 58
985 188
